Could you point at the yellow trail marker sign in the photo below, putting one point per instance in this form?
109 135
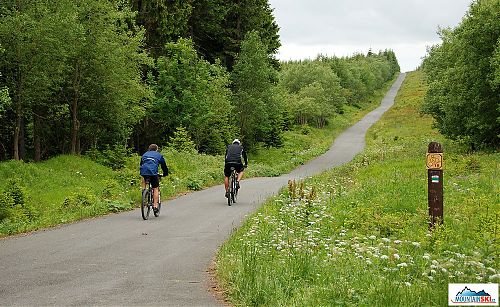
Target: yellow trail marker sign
434 161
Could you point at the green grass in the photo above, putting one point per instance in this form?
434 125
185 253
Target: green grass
66 188
358 235
60 190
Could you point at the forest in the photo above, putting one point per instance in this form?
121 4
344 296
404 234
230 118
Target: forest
84 76
463 73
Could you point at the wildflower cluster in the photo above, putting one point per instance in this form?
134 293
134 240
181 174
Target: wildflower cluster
304 225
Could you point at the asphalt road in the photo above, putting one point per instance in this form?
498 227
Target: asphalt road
121 260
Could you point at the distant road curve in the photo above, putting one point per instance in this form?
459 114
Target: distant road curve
122 260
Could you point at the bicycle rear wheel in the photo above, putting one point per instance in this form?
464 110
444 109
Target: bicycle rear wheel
146 199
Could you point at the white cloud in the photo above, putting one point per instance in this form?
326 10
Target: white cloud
345 27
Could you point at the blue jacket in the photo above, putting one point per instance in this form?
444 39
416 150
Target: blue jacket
150 162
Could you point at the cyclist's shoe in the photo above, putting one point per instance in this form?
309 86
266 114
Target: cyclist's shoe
237 185
227 194
155 210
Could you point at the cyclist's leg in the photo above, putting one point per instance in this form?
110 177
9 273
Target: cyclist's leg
240 175
155 183
240 169
227 173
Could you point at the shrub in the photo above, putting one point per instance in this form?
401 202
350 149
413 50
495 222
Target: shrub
83 198
111 188
181 141
114 157
16 191
194 184
6 204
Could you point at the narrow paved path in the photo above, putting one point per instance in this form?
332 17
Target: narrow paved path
122 260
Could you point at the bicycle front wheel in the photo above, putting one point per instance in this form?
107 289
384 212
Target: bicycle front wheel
234 194
145 208
229 191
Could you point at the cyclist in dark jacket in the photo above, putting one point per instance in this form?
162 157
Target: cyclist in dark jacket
234 153
149 170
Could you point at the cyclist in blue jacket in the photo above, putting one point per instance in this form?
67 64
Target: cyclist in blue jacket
149 171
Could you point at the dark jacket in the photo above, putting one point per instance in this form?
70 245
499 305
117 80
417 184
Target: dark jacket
150 162
234 152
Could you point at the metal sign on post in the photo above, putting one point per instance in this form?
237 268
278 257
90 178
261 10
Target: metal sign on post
434 162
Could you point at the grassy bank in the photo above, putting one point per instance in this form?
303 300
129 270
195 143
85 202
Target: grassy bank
358 236
68 188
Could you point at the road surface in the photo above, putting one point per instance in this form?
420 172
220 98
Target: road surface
120 259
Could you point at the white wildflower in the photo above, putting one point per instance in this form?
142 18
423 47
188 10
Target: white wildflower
426 256
386 240
372 237
430 278
384 257
407 284
433 271
416 244
396 256
397 241
402 265
496 276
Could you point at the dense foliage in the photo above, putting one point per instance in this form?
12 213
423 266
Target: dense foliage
463 74
73 69
316 90
86 76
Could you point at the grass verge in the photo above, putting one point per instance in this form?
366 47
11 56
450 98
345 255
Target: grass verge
358 236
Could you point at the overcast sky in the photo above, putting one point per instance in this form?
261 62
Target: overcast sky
345 27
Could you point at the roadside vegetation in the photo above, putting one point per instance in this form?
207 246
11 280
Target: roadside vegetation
358 235
69 188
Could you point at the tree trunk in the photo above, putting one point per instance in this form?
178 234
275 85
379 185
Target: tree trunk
17 130
75 123
36 137
22 140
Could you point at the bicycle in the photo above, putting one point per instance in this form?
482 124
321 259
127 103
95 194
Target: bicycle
233 188
147 200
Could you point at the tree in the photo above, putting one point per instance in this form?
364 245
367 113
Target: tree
4 94
71 62
193 93
105 89
316 83
257 110
218 28
164 21
462 73
32 64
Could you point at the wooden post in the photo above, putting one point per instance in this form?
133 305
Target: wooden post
434 163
